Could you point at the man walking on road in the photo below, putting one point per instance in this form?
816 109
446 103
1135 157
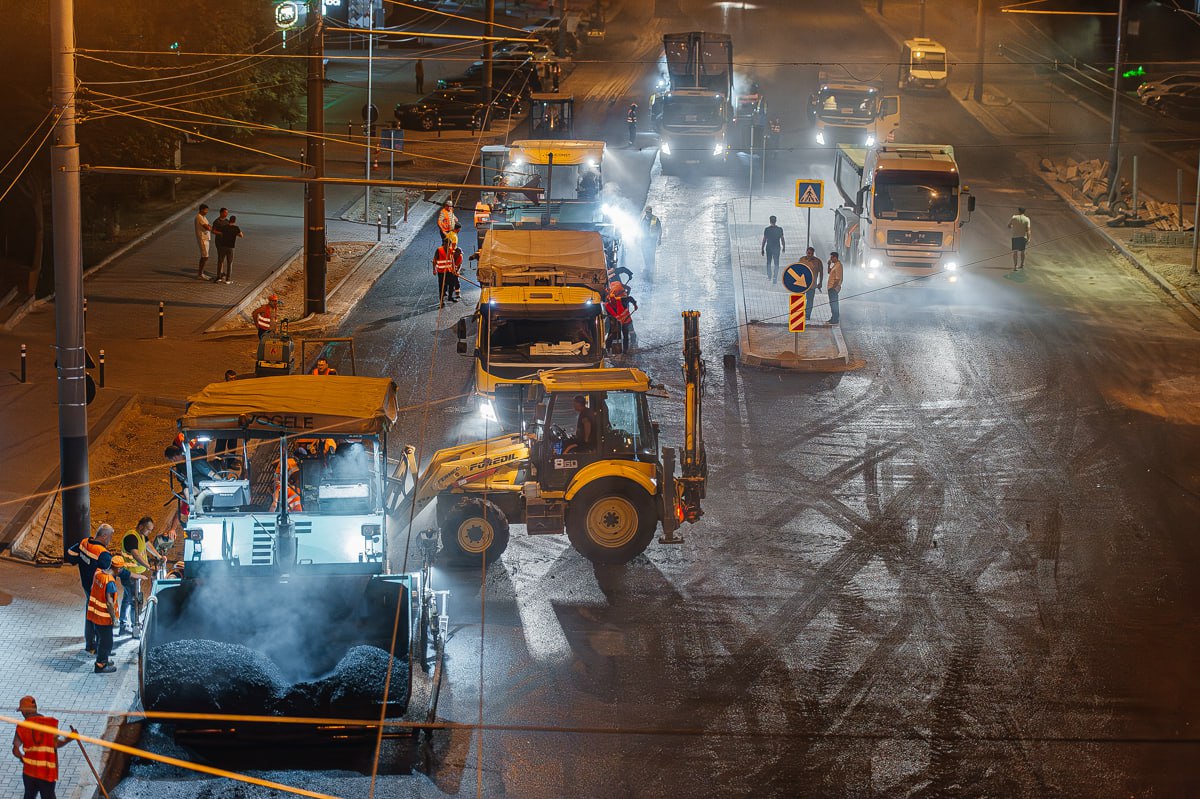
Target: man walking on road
833 287
227 236
811 260
37 750
631 120
203 231
773 244
651 237
1020 227
86 555
419 76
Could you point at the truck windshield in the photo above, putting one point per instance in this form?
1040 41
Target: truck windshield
693 111
923 196
932 62
835 104
543 340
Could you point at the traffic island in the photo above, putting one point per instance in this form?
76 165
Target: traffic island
763 306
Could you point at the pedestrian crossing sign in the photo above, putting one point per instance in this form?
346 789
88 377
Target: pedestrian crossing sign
810 193
797 312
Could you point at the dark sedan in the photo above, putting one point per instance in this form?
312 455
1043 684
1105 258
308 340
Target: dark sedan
506 76
462 107
1183 102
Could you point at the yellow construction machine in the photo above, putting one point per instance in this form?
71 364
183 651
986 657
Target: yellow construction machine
609 485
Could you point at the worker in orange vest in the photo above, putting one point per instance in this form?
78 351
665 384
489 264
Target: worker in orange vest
323 367
447 222
102 612
86 555
264 316
620 318
446 263
37 750
293 498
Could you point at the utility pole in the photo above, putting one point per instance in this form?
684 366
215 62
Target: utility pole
487 66
68 282
370 122
979 54
922 33
1114 138
314 199
561 49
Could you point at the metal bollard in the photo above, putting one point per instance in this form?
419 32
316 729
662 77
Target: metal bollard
101 368
24 354
85 311
439 121
378 227
389 221
160 319
303 161
349 130
405 206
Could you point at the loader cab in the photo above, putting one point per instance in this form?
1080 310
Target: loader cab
551 115
615 401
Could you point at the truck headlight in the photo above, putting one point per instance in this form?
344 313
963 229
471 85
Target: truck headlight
870 141
719 148
874 263
666 147
821 137
951 266
488 411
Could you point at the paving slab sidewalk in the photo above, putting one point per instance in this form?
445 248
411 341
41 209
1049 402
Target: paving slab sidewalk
762 306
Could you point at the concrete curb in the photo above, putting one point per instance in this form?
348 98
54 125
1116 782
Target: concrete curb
1117 244
252 296
749 357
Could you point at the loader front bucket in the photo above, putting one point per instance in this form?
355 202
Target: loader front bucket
247 641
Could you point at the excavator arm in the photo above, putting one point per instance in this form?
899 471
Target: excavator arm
681 495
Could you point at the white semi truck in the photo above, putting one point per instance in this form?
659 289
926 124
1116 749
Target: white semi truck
903 209
856 114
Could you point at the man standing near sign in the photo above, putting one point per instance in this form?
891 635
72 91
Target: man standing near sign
818 269
833 287
773 244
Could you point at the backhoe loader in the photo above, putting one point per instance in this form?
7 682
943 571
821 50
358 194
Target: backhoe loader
608 486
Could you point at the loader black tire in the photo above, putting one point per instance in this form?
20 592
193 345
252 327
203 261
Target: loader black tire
611 521
473 528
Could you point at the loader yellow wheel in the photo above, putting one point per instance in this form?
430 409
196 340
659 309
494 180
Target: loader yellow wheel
474 531
611 521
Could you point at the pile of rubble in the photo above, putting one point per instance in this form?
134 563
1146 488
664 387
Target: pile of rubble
1088 184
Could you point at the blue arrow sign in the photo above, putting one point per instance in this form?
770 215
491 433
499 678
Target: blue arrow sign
797 278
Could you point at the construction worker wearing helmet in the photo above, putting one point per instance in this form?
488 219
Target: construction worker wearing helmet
37 749
447 222
620 318
631 119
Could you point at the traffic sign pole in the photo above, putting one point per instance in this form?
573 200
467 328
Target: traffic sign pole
808 231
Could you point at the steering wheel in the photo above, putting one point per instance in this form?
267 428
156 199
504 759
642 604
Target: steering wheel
557 433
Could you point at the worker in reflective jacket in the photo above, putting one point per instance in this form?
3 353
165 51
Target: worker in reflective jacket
85 555
447 222
264 316
102 612
293 498
37 750
446 263
620 318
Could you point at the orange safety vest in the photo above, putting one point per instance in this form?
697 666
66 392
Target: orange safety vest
97 607
444 262
262 317
89 550
41 750
293 500
446 220
618 310
329 371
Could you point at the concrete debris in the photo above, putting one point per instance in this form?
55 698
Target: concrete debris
198 675
1088 183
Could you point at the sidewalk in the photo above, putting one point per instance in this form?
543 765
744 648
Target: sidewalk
41 613
1021 104
762 306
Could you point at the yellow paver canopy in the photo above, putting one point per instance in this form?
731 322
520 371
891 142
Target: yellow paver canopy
294 404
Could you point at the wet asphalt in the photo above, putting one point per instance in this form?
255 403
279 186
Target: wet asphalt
966 568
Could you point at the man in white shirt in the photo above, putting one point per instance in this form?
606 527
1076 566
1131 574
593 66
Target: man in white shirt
203 233
1019 225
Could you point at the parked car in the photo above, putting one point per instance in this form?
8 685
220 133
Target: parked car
1160 85
507 76
520 51
543 23
462 107
1182 103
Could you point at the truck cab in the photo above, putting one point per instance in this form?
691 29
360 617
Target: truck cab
857 114
540 308
691 113
923 65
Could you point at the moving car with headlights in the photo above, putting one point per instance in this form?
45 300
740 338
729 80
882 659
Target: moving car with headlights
903 209
850 113
463 107
1181 102
1170 83
923 65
